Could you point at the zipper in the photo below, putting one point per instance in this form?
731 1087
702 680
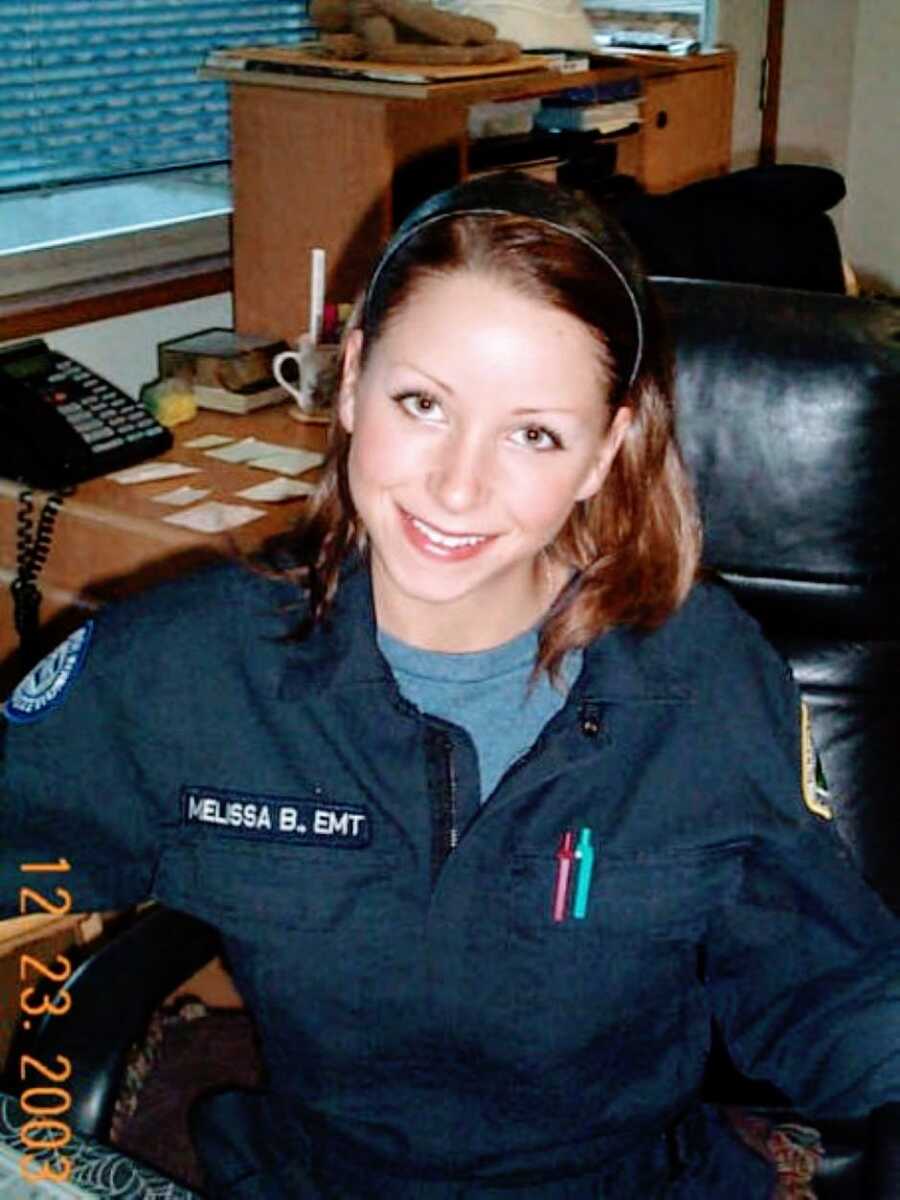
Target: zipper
442 787
453 829
445 807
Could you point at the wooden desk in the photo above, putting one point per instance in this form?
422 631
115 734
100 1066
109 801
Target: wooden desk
110 539
336 163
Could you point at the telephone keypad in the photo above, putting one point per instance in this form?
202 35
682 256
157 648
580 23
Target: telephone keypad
67 424
101 414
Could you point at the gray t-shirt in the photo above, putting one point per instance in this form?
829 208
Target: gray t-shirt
485 692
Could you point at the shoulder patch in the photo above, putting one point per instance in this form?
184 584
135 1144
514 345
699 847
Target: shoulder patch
45 686
815 789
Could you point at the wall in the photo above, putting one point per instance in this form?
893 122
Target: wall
872 223
742 25
817 82
840 107
123 349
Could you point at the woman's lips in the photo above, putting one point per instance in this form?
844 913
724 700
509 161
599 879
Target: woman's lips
437 543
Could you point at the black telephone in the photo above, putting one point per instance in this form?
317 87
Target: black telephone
61 424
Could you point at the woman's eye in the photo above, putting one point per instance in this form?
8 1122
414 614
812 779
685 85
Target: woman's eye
418 405
535 437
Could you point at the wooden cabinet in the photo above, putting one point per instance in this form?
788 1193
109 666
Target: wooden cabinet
319 169
687 128
336 164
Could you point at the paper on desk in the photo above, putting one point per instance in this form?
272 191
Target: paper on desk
208 441
181 496
147 472
215 517
243 451
277 489
287 462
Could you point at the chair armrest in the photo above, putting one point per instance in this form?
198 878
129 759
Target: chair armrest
882 1171
113 995
862 1157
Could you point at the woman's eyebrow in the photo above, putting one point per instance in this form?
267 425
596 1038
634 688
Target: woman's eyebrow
411 366
544 408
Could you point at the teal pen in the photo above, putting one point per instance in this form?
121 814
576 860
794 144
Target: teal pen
584 856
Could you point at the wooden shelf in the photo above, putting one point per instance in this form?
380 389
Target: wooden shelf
338 167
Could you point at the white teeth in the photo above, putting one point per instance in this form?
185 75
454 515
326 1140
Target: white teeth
444 539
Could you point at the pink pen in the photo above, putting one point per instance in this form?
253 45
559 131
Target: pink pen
565 857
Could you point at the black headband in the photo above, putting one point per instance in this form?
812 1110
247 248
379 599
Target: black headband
514 194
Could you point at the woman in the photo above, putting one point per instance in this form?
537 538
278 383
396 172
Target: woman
514 812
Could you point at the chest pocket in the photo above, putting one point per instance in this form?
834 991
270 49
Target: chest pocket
617 988
252 887
644 896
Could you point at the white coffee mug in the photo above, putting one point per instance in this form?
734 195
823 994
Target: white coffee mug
316 368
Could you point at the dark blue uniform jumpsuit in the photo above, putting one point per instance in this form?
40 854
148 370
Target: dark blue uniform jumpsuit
429 1030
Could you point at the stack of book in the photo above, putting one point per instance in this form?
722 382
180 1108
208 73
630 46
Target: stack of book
604 108
646 41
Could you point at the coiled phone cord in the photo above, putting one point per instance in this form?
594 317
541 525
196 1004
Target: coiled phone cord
32 551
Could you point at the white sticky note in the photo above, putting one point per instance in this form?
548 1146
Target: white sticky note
147 472
243 450
215 517
288 462
181 496
208 441
277 489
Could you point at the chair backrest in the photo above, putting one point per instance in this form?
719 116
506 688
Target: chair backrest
789 417
763 225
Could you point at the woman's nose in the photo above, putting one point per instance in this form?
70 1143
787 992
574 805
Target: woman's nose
459 476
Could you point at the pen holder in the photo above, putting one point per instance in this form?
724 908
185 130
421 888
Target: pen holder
309 373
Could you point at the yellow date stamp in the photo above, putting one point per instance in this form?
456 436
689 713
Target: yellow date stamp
44 1098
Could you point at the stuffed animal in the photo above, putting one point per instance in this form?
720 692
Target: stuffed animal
406 31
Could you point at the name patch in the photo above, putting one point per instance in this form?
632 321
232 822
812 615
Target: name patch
303 822
45 686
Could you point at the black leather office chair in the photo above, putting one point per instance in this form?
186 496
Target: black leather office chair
763 225
790 422
789 417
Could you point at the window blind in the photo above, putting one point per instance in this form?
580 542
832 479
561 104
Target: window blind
91 89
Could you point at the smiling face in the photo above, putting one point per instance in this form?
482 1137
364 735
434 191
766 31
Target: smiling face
477 422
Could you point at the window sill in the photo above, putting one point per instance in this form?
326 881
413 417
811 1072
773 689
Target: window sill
77 254
39 312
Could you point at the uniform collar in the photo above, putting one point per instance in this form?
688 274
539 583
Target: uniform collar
342 651
623 665
634 666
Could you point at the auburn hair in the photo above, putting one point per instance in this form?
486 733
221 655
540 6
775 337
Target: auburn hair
634 547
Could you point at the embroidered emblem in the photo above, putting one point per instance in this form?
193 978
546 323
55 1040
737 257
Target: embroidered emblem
812 777
309 821
45 686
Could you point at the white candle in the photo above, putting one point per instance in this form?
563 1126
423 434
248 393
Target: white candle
316 293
